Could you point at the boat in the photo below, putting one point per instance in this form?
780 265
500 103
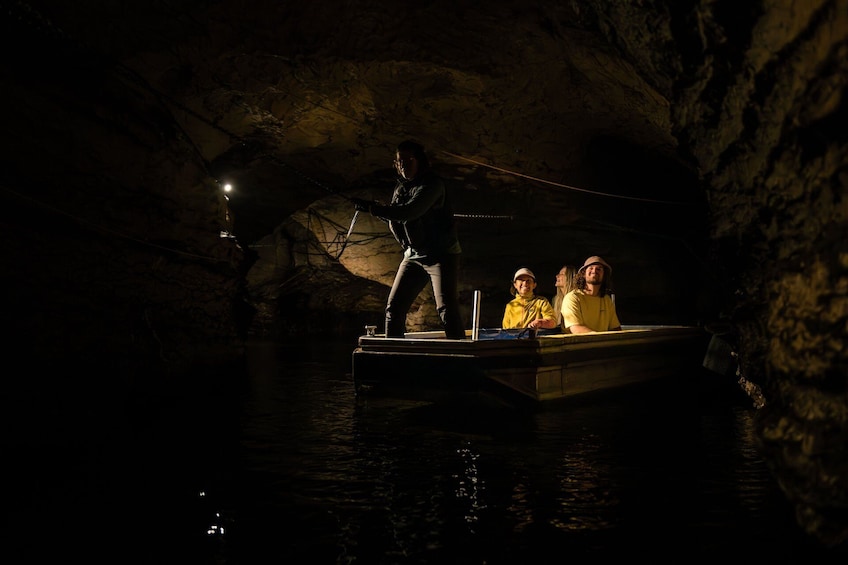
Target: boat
523 366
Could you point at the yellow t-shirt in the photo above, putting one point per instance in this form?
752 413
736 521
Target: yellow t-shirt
595 312
519 312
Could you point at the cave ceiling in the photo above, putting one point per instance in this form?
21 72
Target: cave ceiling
292 102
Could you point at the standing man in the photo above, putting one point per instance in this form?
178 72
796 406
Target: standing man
589 307
420 217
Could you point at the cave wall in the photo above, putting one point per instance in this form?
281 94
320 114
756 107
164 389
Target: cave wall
115 260
762 123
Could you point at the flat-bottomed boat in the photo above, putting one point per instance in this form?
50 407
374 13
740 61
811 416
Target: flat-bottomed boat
521 365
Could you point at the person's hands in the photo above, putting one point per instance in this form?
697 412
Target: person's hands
541 324
361 204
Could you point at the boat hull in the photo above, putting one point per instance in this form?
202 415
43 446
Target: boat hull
538 369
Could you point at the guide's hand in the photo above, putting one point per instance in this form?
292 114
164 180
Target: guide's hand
362 205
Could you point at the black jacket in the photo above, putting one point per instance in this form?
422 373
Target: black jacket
421 216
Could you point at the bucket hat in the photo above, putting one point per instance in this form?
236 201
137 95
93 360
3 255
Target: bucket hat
595 260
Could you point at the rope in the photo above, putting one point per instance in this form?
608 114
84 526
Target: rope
560 185
482 216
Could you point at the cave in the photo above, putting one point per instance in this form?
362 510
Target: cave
696 146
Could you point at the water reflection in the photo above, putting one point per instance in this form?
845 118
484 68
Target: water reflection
290 466
587 492
329 477
471 486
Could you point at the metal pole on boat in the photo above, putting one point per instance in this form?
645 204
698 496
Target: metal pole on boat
475 316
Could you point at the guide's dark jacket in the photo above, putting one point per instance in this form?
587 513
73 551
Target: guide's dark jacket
420 217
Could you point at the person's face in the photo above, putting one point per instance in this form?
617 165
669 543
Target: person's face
560 278
594 274
406 164
524 285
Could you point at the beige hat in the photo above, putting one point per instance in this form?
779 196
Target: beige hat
523 271
595 260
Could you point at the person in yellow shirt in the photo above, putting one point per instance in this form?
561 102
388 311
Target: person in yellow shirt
590 307
527 310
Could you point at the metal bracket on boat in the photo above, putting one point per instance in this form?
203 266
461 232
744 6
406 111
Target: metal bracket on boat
475 316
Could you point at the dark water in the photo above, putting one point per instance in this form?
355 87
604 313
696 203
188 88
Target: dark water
293 467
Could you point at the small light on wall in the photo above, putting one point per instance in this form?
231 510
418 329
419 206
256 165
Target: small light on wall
228 187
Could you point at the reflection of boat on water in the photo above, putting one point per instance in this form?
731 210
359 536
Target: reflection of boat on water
538 368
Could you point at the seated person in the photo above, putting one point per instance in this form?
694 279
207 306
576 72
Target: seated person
564 284
527 310
590 307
